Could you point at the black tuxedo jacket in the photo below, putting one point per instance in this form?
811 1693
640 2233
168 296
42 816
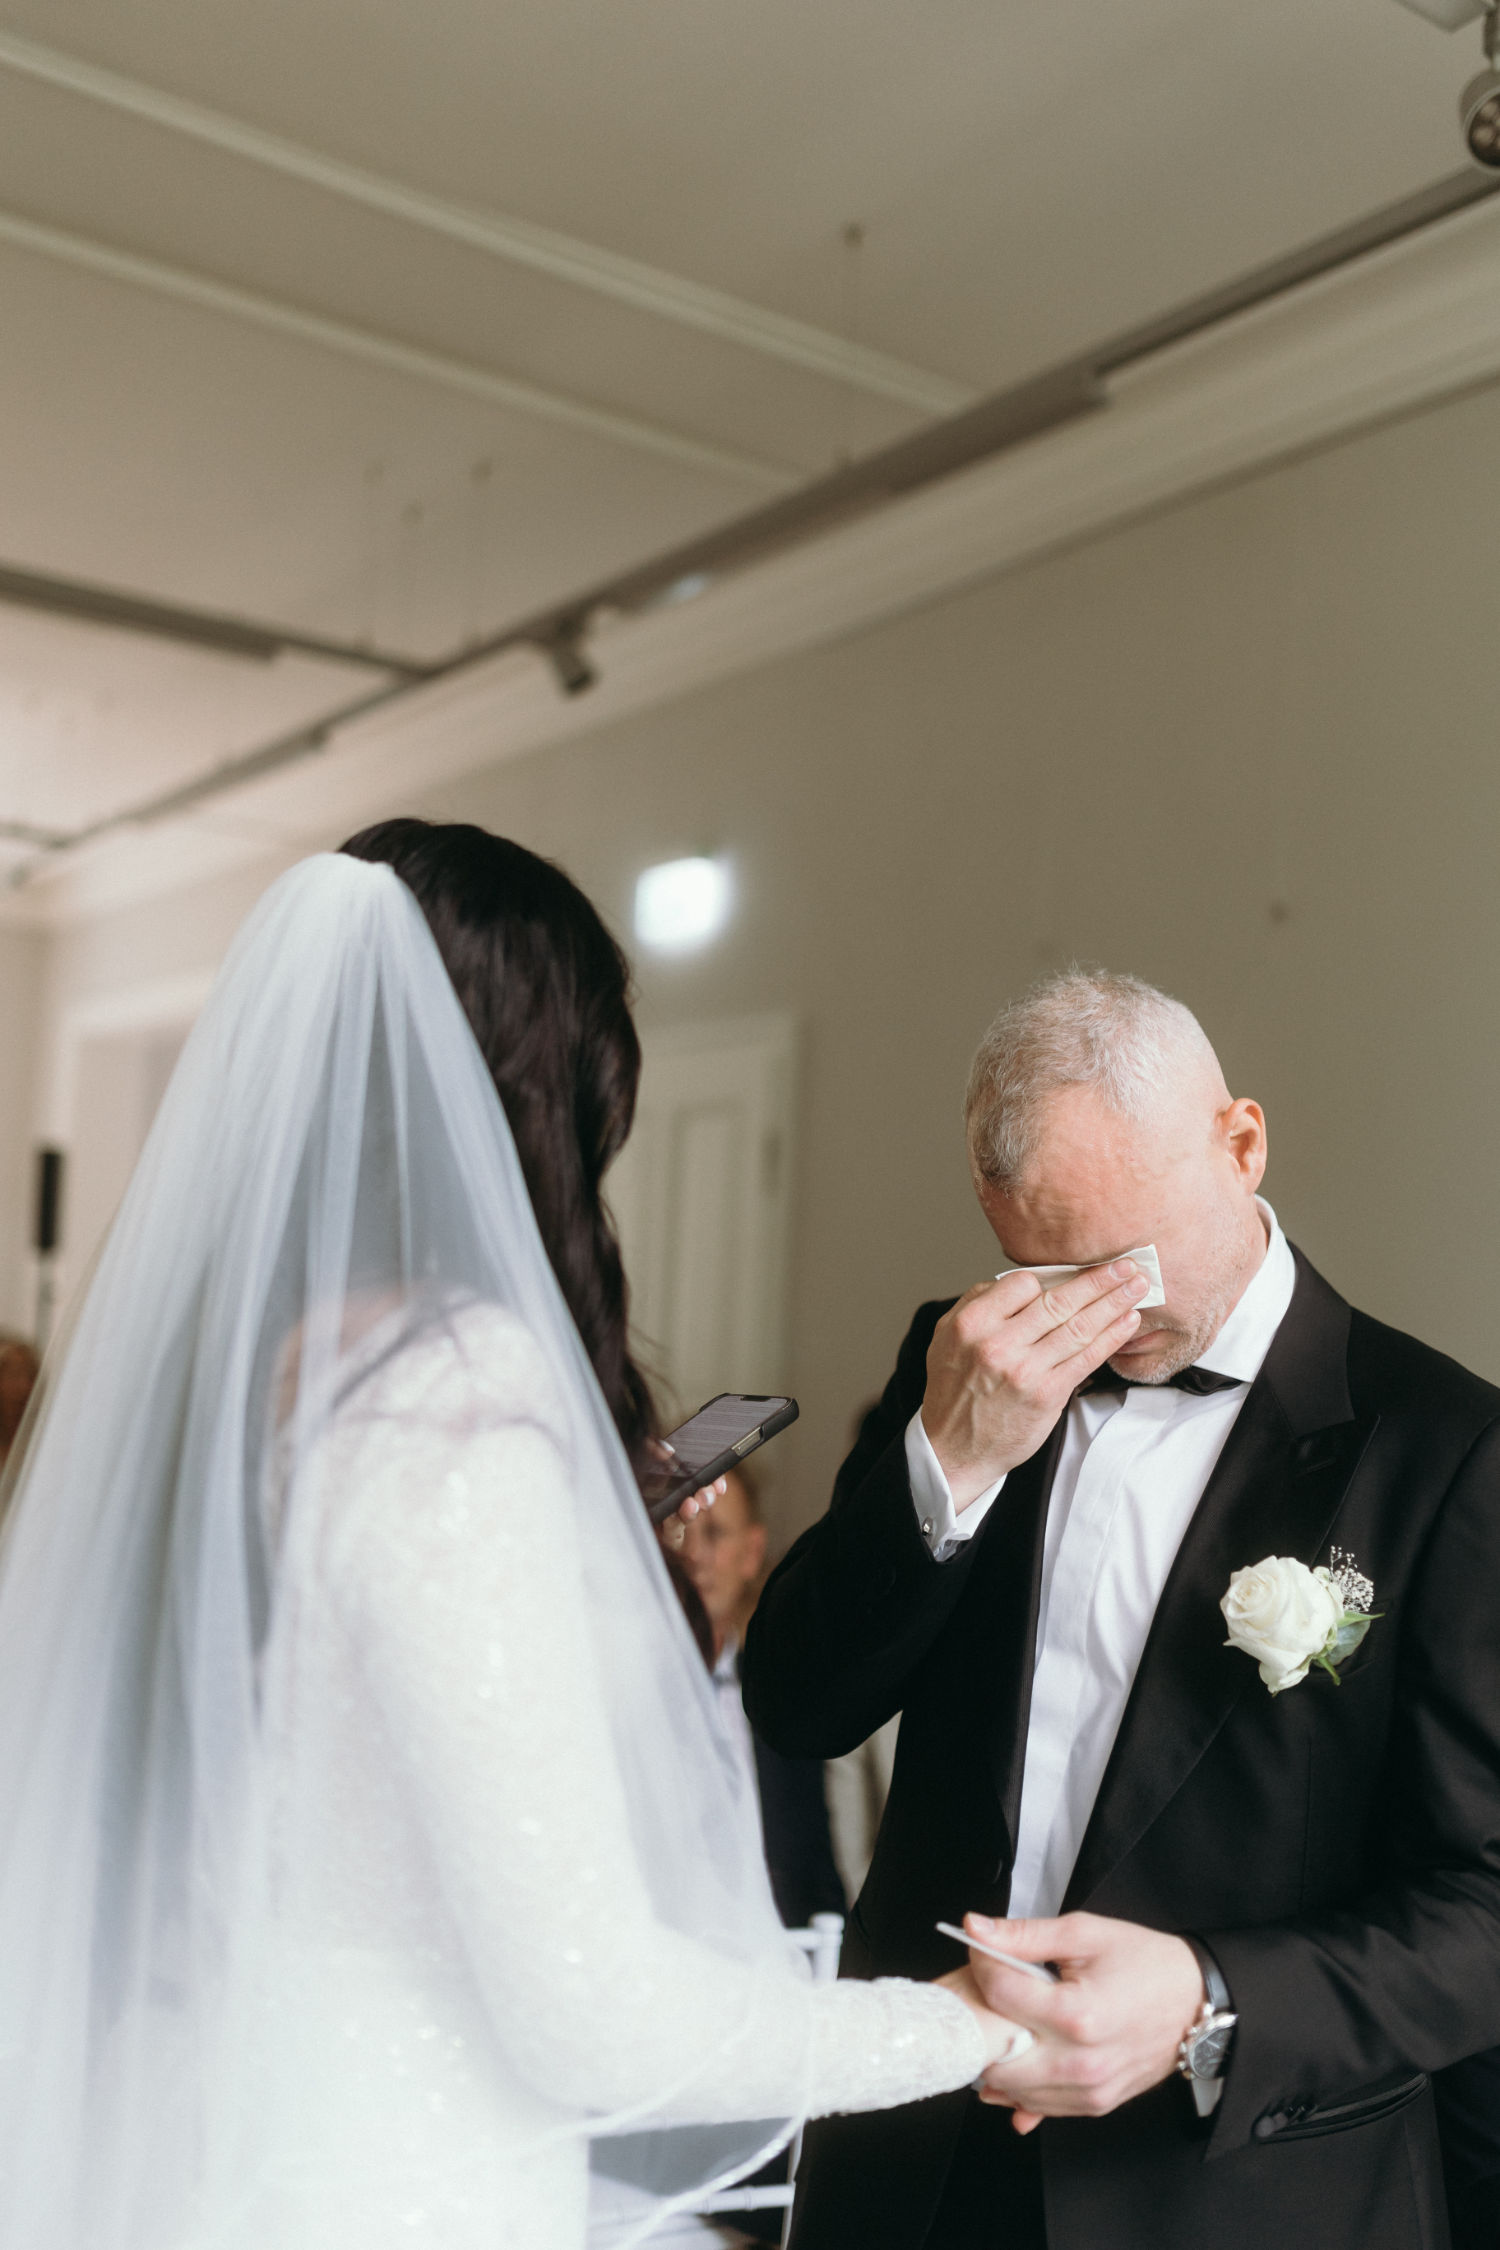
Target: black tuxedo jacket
795 1828
1338 1846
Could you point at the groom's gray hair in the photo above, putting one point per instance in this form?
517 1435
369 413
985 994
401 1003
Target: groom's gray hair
1082 1027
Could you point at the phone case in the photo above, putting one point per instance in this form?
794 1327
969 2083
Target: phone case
783 1413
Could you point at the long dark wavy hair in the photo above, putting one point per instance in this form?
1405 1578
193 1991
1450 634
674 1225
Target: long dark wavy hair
547 993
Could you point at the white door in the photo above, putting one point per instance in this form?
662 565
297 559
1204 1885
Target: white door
701 1194
119 1084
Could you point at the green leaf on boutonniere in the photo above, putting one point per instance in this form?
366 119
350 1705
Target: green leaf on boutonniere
1344 1640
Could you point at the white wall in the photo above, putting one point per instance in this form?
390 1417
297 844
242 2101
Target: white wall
22 960
1246 747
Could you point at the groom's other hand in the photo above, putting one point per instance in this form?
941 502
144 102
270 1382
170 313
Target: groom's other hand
1006 1359
1107 2030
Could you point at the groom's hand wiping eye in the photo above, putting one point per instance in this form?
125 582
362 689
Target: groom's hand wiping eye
1006 1359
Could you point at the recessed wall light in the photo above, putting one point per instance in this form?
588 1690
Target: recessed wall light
687 589
682 903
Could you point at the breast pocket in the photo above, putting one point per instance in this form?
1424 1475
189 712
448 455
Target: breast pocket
1304 2120
1375 1652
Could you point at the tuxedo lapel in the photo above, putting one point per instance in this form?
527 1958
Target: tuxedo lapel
1003 1604
1276 1490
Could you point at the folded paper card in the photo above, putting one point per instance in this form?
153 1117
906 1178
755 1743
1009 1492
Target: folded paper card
1146 1259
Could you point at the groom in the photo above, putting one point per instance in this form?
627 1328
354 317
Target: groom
1295 1895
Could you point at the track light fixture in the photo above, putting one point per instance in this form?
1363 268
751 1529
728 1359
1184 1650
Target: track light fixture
1448 15
566 654
1479 103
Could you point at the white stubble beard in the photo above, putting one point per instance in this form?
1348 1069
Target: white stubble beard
1228 1288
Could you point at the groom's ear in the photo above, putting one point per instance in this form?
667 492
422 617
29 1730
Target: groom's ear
1242 1135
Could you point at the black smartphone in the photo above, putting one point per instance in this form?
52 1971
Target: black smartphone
716 1438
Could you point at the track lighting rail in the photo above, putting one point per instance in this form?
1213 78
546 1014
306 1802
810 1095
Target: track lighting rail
1045 402
197 628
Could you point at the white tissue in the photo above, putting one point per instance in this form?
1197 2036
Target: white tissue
1145 1258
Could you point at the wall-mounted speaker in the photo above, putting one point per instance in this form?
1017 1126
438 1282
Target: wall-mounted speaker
47 1226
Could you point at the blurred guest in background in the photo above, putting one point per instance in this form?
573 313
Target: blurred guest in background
724 1553
19 1368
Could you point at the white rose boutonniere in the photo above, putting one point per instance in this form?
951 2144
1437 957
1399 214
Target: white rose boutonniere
1289 1617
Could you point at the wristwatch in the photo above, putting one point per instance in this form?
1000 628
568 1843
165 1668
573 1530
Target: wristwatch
1204 2050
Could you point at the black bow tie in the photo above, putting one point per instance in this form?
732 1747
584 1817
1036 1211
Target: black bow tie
1202 1382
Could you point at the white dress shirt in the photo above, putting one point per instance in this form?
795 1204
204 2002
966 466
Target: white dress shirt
1129 1478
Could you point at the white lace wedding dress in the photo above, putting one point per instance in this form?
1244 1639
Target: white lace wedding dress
373 1869
469 1957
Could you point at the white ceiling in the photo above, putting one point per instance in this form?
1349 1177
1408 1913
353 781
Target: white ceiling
396 322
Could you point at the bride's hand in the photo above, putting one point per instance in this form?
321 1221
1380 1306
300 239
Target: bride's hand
674 1529
1004 2040
696 1502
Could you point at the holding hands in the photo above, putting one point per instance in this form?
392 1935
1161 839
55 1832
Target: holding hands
1109 2027
1006 1359
1004 2040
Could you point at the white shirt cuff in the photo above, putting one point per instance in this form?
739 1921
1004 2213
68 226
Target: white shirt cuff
941 1525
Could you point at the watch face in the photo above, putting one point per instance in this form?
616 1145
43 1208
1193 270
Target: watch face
1209 2050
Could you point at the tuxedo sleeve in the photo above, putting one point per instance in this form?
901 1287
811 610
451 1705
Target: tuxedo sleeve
855 1605
1408 1977
1468 2108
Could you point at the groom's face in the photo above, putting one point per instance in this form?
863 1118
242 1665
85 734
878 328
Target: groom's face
1100 1185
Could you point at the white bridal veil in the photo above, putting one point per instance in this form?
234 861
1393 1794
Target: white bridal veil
330 1160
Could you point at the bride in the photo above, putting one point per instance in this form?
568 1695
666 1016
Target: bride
373 1869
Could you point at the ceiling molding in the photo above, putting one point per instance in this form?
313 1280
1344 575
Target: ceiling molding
113 607
1406 328
388 353
563 258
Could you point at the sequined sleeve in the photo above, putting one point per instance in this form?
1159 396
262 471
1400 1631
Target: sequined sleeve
468 1610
